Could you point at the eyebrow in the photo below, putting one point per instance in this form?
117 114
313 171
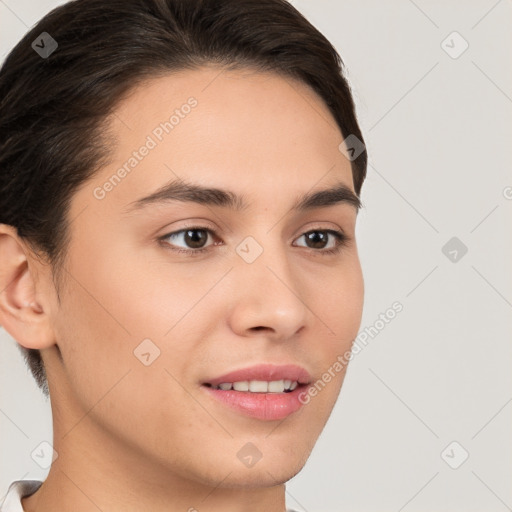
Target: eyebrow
178 190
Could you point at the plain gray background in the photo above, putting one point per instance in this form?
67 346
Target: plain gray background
434 385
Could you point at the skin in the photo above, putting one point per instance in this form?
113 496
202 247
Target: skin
131 437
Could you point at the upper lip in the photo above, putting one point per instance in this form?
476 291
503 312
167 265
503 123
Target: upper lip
266 372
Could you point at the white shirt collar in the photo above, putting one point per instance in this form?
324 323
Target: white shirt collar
17 490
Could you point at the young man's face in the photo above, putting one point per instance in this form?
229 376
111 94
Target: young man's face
143 329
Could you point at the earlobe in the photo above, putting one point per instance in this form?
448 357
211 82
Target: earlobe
21 314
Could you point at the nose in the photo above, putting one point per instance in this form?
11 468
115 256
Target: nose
268 297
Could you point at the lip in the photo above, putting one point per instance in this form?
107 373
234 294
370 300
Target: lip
266 372
262 406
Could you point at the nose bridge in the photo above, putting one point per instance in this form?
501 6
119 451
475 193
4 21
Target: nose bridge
265 261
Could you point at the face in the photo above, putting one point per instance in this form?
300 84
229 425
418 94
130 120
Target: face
165 297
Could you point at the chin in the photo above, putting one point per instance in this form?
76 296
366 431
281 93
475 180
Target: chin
275 467
261 477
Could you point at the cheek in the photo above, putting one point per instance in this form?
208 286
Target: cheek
110 385
342 303
343 307
339 309
107 309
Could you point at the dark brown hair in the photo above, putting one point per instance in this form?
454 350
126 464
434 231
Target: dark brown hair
52 107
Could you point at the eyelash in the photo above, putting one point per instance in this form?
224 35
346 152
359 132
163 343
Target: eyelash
341 238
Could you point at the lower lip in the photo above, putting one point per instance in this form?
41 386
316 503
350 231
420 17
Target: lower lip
263 406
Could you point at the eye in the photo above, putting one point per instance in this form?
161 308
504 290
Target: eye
319 238
196 237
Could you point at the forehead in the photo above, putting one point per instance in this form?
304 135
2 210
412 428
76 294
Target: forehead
244 130
221 91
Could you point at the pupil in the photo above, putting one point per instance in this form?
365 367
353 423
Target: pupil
314 236
195 241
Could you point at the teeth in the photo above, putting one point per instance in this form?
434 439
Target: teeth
275 386
259 386
241 386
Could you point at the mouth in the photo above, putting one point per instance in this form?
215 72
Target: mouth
265 392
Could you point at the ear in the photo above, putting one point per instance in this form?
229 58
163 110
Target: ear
21 312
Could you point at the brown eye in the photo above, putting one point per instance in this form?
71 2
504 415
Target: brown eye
190 240
319 238
195 240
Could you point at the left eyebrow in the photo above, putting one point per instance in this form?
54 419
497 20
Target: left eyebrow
178 190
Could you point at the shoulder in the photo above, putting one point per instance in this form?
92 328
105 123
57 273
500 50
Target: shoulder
18 489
